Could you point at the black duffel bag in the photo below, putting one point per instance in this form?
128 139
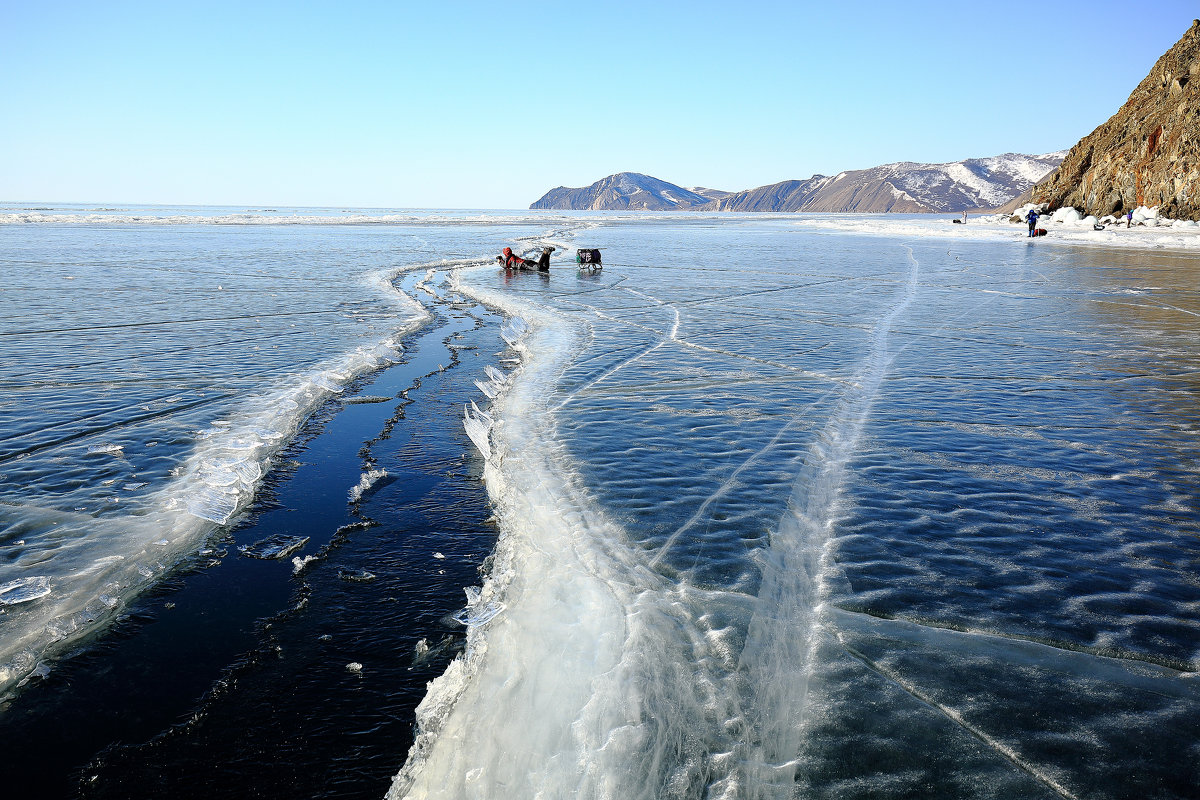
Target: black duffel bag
587 255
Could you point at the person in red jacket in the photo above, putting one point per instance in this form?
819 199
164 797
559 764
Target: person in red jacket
512 261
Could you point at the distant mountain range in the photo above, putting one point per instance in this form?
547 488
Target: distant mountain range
628 191
906 187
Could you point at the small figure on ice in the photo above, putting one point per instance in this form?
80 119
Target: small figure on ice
1032 218
513 261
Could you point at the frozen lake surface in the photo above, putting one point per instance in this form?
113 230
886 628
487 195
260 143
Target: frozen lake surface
782 511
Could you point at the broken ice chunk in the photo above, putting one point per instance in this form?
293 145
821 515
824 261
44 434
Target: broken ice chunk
213 504
478 426
475 616
368 398
298 563
23 590
279 546
356 576
367 484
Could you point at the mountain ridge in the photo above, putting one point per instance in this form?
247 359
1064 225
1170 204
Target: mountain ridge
900 187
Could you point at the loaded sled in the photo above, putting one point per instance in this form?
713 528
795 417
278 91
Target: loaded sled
588 259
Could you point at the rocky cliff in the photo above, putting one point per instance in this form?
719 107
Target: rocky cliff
1148 153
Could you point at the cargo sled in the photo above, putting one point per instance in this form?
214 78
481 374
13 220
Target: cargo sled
588 258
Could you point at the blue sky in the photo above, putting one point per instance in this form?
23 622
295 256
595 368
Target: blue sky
489 105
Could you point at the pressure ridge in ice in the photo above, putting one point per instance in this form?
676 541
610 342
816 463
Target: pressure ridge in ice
112 559
628 642
546 533
478 424
512 331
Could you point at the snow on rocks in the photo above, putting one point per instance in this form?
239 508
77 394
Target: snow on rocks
1165 234
1066 215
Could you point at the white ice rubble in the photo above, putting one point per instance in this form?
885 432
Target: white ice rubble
476 422
300 564
366 483
1149 229
1067 216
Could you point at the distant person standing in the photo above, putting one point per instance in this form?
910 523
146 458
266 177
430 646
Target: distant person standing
1129 219
1031 218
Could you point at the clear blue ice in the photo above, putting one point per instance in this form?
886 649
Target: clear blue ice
783 512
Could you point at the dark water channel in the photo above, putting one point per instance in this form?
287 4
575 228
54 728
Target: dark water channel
234 677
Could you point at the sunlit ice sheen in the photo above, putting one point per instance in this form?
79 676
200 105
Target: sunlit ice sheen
789 510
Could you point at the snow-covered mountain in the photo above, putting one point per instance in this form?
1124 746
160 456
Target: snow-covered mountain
627 191
976 183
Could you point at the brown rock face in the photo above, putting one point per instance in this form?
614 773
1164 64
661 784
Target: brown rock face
1148 153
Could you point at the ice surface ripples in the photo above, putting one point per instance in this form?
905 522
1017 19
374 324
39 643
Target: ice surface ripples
1007 463
660 717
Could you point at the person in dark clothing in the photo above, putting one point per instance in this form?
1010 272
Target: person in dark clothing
1032 218
512 261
